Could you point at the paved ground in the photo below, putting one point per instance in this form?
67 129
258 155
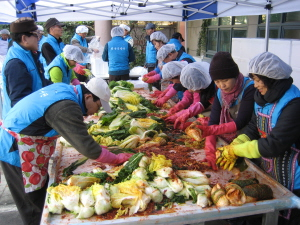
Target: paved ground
9 214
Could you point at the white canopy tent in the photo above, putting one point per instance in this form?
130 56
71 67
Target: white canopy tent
142 10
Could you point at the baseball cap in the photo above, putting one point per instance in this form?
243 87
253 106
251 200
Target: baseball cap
99 87
177 35
52 22
150 26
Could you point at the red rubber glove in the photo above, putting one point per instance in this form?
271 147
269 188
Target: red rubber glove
150 74
75 81
79 69
210 151
190 112
156 94
163 93
184 103
196 98
218 129
152 79
160 101
172 119
108 157
203 120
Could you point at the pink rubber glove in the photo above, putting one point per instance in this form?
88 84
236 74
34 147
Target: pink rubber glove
150 74
108 157
160 101
79 69
203 120
224 128
196 98
156 94
193 110
184 103
152 79
163 93
172 119
210 151
75 81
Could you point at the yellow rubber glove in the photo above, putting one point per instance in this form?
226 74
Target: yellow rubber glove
242 138
230 153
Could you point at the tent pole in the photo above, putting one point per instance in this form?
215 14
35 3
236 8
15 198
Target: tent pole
268 7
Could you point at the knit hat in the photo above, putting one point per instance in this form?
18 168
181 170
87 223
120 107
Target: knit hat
23 25
222 66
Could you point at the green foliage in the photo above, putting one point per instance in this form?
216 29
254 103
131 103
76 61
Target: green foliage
68 171
140 58
100 175
202 37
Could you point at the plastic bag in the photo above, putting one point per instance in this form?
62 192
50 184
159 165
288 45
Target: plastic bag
138 71
95 44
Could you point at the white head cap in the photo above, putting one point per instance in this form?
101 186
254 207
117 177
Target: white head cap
159 36
163 52
73 52
99 87
125 27
117 31
4 31
195 76
82 29
173 69
269 65
40 28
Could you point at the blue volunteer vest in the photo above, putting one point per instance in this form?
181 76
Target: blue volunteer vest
17 52
176 42
60 62
118 54
41 42
127 38
57 47
185 56
282 168
150 53
22 116
83 43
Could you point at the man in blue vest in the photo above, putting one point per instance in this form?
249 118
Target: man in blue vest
150 49
118 53
127 37
22 70
28 136
176 40
81 40
53 45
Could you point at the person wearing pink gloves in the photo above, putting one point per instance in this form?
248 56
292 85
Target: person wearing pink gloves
61 68
171 72
158 39
198 96
232 107
28 135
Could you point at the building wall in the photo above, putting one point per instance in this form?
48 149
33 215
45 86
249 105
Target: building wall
243 49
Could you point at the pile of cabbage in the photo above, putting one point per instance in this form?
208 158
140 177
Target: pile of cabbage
135 183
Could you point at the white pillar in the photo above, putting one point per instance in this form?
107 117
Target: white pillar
102 29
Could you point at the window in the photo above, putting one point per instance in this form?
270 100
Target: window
273 32
291 32
274 18
221 30
293 17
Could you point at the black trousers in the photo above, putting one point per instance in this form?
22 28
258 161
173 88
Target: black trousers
118 77
30 205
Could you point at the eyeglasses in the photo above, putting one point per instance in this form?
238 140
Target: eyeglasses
34 34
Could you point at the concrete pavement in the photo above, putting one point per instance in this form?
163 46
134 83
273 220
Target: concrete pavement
8 210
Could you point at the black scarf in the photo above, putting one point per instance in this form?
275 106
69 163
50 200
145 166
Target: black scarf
279 87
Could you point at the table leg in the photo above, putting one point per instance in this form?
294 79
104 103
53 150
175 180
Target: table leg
270 218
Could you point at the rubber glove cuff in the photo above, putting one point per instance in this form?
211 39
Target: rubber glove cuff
248 149
107 157
152 79
242 138
196 97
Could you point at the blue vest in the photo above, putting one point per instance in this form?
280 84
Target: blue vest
60 62
292 93
176 42
41 42
127 38
239 98
83 43
184 55
57 47
22 116
17 52
118 54
150 53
